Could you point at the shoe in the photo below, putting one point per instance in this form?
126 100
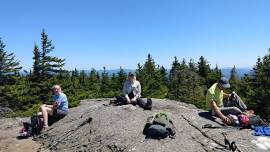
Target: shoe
112 102
148 105
45 127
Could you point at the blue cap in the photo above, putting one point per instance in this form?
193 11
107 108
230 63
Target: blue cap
224 82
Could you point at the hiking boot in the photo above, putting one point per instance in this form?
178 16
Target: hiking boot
112 102
148 105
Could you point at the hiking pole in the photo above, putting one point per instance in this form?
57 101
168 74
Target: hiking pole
230 145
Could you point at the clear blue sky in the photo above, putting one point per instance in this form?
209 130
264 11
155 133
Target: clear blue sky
113 33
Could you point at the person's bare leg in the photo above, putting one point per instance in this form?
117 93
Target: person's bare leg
45 112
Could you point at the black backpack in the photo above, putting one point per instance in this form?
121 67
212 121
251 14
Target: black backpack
253 120
159 126
36 125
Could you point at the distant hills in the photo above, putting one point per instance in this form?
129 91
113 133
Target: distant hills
225 71
240 71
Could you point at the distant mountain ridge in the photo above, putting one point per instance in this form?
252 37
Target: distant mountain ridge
225 71
240 71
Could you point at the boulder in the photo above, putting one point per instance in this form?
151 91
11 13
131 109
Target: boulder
97 127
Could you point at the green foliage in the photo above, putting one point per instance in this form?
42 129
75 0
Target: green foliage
186 82
9 66
152 80
49 64
261 86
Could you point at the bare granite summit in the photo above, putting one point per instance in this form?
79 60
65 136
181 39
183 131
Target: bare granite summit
97 128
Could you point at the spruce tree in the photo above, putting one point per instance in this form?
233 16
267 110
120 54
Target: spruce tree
37 63
9 66
174 92
261 86
105 82
49 65
121 76
203 67
234 80
192 66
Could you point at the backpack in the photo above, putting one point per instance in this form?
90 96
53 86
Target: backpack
159 126
36 125
248 121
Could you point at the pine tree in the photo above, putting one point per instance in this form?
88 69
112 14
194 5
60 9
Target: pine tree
49 65
203 67
82 78
151 79
8 65
184 84
37 63
163 73
261 86
192 66
234 80
174 80
105 82
122 76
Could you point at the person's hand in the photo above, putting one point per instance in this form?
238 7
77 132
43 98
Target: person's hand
133 100
43 105
227 121
128 100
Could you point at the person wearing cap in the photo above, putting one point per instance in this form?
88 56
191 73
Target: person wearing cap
214 101
132 93
58 109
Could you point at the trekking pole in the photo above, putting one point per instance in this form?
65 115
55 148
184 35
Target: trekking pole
230 145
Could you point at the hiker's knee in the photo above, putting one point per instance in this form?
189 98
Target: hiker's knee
39 113
236 111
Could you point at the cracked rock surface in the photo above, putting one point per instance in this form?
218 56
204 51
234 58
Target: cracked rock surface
95 127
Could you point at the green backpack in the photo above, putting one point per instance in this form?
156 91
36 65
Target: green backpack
161 119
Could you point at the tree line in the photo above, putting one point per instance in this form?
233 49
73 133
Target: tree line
185 81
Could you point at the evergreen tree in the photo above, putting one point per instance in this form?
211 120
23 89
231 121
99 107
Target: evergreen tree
37 62
261 86
163 73
105 82
49 65
122 76
8 65
234 80
83 78
151 79
203 67
174 92
184 84
192 66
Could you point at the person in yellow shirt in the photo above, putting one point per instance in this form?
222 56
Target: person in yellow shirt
214 101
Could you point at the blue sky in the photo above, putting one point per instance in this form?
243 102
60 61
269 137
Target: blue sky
113 33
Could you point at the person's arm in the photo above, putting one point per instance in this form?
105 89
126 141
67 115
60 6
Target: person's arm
124 91
139 88
49 106
124 88
55 105
225 95
218 113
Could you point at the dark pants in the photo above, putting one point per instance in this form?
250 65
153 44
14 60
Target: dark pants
123 101
234 106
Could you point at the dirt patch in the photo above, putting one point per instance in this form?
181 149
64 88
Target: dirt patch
9 129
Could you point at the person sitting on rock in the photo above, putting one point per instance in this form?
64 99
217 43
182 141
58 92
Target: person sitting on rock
214 101
132 93
58 109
